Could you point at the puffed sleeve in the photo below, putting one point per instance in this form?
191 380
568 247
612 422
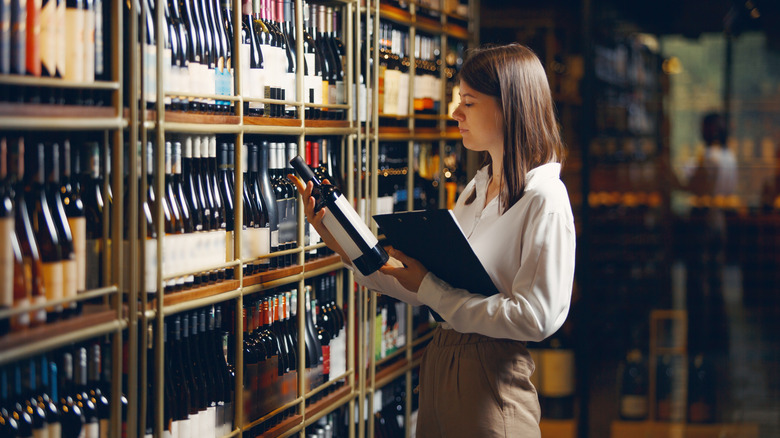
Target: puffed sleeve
538 303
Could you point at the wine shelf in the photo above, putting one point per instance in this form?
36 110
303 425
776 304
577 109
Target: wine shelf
395 14
174 298
17 345
45 116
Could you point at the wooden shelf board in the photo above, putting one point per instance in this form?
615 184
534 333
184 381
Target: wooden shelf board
313 123
322 262
283 427
196 293
327 401
428 25
200 119
271 121
42 110
265 277
456 31
652 429
54 329
395 14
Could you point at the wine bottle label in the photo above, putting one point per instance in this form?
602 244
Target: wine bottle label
185 427
99 48
314 238
257 85
6 263
246 55
48 38
332 93
391 84
326 359
289 89
325 93
222 85
255 242
89 45
210 83
150 72
61 37
52 274
33 35
78 228
220 420
557 376
42 432
340 234
93 263
403 94
341 95
229 247
633 406
55 430
210 425
194 79
69 279
74 35
91 430
275 239
174 429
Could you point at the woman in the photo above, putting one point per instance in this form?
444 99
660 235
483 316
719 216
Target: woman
475 374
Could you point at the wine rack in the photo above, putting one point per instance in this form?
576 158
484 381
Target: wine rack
134 111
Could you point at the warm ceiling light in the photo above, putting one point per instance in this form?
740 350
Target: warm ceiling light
672 66
754 13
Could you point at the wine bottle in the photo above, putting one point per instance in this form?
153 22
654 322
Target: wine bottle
89 43
292 200
226 193
253 72
223 79
556 389
269 198
70 164
187 186
61 224
96 392
199 364
43 226
74 34
7 234
633 401
221 347
341 220
192 376
208 82
261 218
47 395
702 390
91 426
181 407
91 193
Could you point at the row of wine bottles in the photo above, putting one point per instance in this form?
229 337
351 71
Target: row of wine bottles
49 215
65 393
52 240
198 52
198 379
199 208
66 39
695 402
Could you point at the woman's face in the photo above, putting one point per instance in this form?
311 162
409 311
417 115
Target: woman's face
479 120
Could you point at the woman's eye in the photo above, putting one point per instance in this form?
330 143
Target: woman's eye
467 104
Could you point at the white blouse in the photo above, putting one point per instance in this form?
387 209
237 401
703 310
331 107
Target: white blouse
528 252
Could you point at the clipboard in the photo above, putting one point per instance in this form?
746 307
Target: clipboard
435 239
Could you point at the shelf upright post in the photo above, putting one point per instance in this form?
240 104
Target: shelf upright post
117 33
238 411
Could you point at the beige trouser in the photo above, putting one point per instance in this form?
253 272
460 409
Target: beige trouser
474 386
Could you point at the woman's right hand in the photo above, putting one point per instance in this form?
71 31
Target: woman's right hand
315 219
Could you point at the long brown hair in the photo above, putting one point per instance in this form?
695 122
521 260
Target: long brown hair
514 76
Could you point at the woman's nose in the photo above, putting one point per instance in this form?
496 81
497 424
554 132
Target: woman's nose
457 114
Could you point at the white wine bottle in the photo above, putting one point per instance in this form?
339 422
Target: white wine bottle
343 222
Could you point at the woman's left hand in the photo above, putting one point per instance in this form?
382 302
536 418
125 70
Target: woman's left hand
410 275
